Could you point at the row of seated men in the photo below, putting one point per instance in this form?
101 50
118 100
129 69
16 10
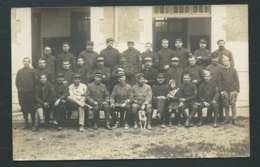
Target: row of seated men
175 96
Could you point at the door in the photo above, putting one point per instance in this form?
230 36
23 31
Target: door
36 38
171 29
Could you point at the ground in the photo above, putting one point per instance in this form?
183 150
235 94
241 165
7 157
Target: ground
172 142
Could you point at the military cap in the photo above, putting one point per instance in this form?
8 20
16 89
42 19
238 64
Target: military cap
206 73
202 40
148 59
77 75
130 41
60 75
122 55
99 74
178 39
175 59
100 58
90 43
109 39
221 40
120 73
139 75
160 75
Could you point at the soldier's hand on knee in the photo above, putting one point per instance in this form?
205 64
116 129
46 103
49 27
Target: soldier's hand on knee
181 104
95 103
123 105
57 103
214 102
112 105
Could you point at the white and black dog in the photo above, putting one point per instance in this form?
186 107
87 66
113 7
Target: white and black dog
142 119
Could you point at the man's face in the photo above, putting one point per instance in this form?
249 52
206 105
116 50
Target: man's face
100 63
186 79
206 78
226 63
148 64
178 44
76 81
66 48
66 65
175 63
165 44
122 79
130 45
110 44
160 80
140 81
98 79
192 61
43 79
122 59
148 47
89 47
80 62
26 62
203 45
221 45
42 64
215 60
47 51
60 80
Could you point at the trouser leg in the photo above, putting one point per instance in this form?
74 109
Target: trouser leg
127 114
134 112
113 114
33 118
47 115
59 113
209 114
160 109
81 112
96 114
40 115
215 108
220 109
233 99
107 113
200 116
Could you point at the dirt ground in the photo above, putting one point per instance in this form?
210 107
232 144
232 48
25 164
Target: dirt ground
172 142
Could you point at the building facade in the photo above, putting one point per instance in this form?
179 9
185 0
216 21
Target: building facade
33 28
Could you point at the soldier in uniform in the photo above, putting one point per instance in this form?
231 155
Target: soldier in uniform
149 53
133 57
142 100
120 101
222 51
195 71
160 91
149 72
90 58
182 53
202 54
25 81
188 99
229 88
43 70
98 97
208 97
77 99
67 73
66 55
102 69
44 96
174 72
110 54
165 55
59 105
50 60
214 68
82 70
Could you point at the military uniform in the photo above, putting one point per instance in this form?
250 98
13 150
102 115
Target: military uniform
150 75
165 55
50 63
68 76
111 57
196 73
85 75
127 68
90 59
205 59
183 55
106 75
174 73
47 72
66 57
133 58
153 56
225 52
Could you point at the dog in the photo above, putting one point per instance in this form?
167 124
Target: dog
142 119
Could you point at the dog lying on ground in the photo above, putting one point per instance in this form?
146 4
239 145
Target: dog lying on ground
142 119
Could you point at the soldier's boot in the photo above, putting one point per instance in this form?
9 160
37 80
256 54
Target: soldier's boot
227 121
233 109
135 125
170 119
200 117
117 125
178 117
108 126
149 121
26 123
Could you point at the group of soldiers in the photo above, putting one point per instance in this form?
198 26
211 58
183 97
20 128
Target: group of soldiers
169 81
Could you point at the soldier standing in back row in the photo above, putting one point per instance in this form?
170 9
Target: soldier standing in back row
202 55
182 53
149 53
222 51
50 60
66 55
165 55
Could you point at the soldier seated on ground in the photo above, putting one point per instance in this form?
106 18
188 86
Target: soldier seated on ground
120 101
77 99
142 100
208 97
